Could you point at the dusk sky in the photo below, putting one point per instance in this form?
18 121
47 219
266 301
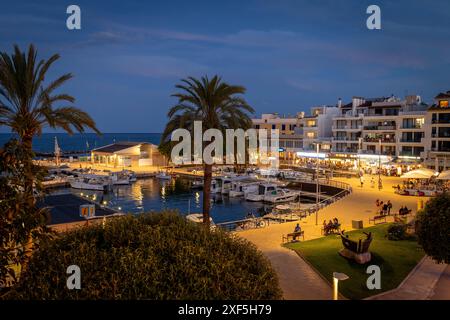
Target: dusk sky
290 55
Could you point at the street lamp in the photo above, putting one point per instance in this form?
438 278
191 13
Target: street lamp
336 277
379 165
317 183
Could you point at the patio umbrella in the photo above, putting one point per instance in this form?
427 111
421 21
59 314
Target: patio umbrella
444 175
421 173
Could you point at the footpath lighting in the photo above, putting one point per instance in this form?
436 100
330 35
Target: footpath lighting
337 276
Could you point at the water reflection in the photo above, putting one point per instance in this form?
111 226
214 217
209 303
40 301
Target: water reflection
154 195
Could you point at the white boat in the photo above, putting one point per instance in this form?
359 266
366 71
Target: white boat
227 182
119 178
259 194
197 184
198 218
241 188
89 184
163 176
281 195
216 185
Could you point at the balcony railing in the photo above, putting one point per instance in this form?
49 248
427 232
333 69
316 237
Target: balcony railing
416 126
411 140
440 121
383 140
389 127
347 127
409 154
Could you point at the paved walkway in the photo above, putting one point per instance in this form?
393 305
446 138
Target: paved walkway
297 279
420 284
442 289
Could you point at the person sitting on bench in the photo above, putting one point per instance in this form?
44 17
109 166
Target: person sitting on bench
297 229
400 211
336 223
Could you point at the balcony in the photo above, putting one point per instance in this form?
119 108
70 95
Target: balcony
388 127
346 150
377 140
441 149
412 127
345 139
440 121
411 140
383 153
409 154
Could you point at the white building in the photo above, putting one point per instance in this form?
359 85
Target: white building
437 139
389 127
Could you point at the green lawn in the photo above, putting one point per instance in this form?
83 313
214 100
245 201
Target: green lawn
395 259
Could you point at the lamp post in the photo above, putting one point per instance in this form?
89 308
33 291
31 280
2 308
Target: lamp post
317 183
337 276
379 165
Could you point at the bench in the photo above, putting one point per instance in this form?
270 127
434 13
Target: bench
293 236
380 219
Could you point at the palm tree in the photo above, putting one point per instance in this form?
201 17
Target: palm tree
27 105
218 105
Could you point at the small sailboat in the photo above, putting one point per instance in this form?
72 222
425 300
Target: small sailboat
57 153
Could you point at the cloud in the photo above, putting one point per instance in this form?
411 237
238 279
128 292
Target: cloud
156 66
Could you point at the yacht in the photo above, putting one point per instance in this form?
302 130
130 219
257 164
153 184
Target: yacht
243 187
281 195
89 183
259 194
216 185
227 182
119 178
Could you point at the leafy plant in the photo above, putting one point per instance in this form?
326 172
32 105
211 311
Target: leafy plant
433 228
22 224
150 256
397 231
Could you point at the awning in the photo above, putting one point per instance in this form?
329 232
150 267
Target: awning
444 175
421 173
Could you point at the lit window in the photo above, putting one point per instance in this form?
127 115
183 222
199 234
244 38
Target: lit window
443 103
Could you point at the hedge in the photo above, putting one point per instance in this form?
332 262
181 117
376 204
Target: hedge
149 256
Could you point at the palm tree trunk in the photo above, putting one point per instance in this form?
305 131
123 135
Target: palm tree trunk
27 143
207 177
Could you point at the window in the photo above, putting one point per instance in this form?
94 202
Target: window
283 127
257 126
443 103
273 127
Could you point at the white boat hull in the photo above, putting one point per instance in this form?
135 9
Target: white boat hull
87 186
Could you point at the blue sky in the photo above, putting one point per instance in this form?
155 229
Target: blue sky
290 55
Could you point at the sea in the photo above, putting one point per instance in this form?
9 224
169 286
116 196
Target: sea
81 142
145 195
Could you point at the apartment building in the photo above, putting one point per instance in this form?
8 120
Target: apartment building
290 132
317 128
386 127
437 139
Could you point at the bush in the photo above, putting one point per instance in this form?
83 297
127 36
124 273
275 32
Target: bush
433 228
397 231
150 256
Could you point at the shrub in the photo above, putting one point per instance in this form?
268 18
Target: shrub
397 231
432 228
150 256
